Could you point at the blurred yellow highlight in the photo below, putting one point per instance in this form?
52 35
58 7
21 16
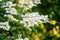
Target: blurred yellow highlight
42 27
55 31
52 22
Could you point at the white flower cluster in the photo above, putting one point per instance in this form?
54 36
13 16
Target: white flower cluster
29 1
31 19
26 4
11 17
20 38
4 25
9 8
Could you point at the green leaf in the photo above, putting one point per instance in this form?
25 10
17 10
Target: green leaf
19 9
6 38
13 28
4 0
59 12
14 23
34 30
23 34
3 19
15 35
2 36
50 16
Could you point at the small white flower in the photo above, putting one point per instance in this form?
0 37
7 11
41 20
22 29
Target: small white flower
11 11
0 26
5 25
9 4
30 5
20 39
37 1
26 38
25 8
11 17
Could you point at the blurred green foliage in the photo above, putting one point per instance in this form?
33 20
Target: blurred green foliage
47 7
